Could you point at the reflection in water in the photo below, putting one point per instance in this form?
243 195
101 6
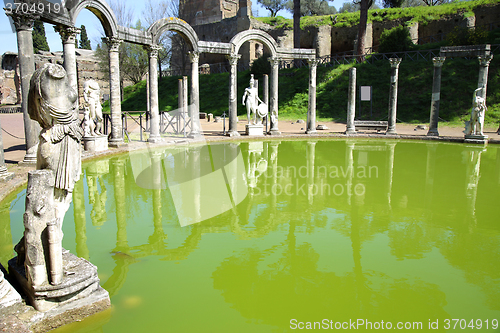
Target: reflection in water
393 231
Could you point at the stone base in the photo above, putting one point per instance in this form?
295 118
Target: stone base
154 139
274 132
254 129
79 283
478 139
312 131
233 134
433 132
5 175
94 144
116 143
391 133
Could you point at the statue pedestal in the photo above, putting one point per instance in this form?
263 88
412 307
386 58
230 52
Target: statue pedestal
94 144
479 139
254 130
79 288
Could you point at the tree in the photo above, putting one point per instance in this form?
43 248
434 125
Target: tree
39 38
363 20
435 2
313 7
154 11
274 6
84 39
349 7
397 39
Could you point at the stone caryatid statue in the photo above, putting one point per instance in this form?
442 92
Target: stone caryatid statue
51 275
252 103
93 110
476 123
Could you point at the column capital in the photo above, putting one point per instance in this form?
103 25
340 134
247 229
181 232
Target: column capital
68 33
113 43
313 62
485 60
22 21
395 62
233 59
275 61
438 61
194 56
153 50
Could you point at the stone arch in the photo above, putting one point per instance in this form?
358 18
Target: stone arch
240 38
177 25
100 9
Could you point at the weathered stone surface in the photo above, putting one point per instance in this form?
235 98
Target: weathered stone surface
95 143
8 295
351 102
93 120
254 129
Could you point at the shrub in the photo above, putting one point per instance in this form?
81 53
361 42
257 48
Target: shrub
261 66
396 39
466 36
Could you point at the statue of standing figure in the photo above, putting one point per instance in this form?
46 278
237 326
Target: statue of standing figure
52 102
476 123
93 109
252 103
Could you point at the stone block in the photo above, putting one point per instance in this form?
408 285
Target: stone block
254 130
94 144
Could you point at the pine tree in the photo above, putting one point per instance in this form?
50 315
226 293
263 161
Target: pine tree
39 38
84 40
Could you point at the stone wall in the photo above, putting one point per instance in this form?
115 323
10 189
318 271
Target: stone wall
10 89
87 67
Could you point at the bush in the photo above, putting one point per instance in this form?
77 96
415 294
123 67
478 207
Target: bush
396 39
466 36
261 66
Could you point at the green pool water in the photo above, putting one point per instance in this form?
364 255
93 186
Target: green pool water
274 236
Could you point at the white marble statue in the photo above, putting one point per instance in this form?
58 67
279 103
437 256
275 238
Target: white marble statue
93 109
252 103
476 123
52 102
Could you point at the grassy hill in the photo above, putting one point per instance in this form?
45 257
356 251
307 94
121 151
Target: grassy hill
459 79
420 14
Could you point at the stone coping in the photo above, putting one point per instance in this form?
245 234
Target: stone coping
20 172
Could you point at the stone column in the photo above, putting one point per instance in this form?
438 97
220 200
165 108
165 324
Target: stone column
273 110
351 102
118 166
349 157
393 97
436 96
116 139
266 89
390 170
311 110
154 134
195 95
68 36
233 89
311 154
484 64
24 26
79 215
4 174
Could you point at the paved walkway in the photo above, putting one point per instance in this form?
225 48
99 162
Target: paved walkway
15 149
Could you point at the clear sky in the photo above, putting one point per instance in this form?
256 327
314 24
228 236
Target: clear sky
93 26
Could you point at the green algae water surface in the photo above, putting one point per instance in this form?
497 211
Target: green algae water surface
283 236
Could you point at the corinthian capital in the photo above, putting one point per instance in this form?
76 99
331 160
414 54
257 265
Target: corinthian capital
194 56
438 61
68 34
485 60
22 21
233 59
113 43
395 62
152 50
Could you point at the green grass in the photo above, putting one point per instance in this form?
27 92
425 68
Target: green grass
420 14
459 79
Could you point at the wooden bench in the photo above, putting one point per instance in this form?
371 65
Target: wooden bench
370 125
